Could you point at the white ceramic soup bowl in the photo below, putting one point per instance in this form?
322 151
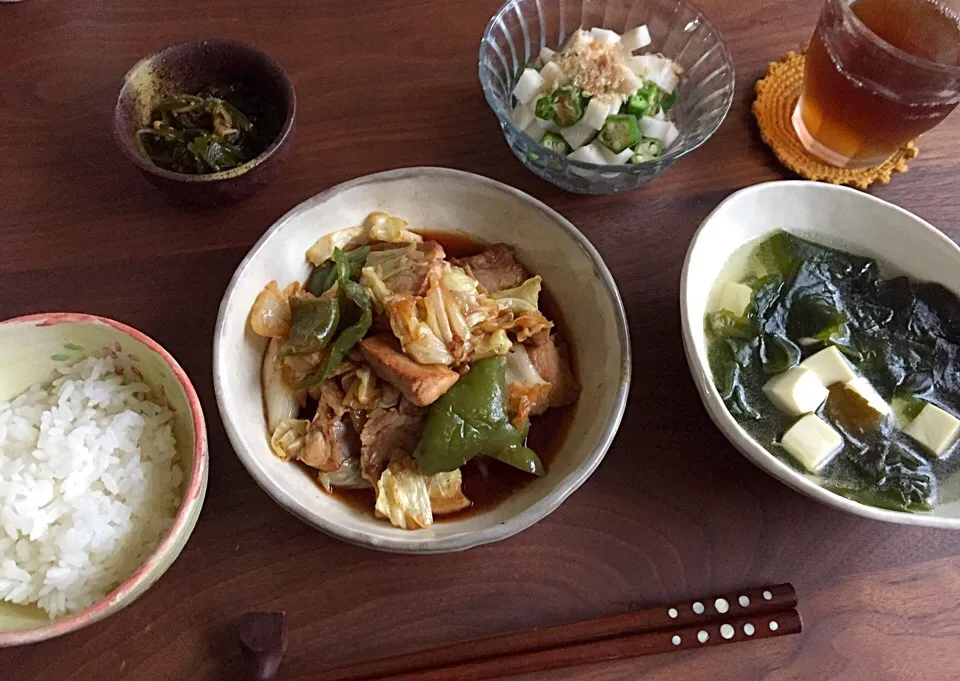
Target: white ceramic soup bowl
837 216
437 200
31 348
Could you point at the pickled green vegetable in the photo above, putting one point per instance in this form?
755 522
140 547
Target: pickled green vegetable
219 128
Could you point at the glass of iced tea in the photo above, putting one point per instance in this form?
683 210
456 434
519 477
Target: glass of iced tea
878 73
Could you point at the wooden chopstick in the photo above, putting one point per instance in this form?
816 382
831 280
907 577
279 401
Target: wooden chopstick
730 618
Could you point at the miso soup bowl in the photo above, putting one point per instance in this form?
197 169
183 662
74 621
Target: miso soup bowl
459 203
837 216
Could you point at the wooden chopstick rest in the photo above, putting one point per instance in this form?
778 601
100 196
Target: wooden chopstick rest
263 641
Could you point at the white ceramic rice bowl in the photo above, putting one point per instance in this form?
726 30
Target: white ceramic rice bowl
846 218
434 199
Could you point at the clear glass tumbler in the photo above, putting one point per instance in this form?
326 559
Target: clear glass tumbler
878 73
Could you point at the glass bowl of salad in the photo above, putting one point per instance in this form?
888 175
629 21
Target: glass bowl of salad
601 96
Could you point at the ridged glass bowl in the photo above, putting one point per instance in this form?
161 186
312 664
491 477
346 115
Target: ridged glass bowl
518 31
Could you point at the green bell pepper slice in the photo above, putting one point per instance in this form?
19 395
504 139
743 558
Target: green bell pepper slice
471 419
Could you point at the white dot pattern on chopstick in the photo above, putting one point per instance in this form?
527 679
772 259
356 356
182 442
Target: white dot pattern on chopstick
744 601
673 613
748 629
727 631
774 626
703 636
676 640
721 605
767 595
698 608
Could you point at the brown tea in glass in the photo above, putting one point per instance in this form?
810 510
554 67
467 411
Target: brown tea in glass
878 73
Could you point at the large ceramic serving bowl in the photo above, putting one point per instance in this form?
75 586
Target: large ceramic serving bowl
838 216
434 199
31 348
680 31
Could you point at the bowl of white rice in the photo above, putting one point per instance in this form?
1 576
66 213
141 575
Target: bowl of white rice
103 470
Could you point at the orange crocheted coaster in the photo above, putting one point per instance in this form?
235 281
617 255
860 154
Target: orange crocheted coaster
777 95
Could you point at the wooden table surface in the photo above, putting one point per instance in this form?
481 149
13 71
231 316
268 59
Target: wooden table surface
673 513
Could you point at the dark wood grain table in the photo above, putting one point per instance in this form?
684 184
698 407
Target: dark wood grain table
673 513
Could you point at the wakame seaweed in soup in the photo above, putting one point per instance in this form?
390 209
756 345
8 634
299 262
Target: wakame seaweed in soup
840 372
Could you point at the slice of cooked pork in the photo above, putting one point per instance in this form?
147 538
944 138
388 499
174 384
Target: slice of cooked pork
389 435
495 267
549 355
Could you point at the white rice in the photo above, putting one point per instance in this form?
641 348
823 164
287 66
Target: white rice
89 484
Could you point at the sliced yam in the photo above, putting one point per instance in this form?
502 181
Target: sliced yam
546 54
528 86
671 136
656 129
551 74
615 159
595 114
636 38
522 115
578 134
631 81
605 36
590 153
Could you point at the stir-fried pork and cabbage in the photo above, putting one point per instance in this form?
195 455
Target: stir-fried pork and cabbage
393 365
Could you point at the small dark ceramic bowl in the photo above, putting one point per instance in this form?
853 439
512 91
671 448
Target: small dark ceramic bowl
187 67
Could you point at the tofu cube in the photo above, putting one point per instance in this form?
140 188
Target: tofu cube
605 36
588 154
546 54
796 391
578 134
615 159
734 297
862 387
934 429
528 86
635 38
830 366
812 442
595 114
523 116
